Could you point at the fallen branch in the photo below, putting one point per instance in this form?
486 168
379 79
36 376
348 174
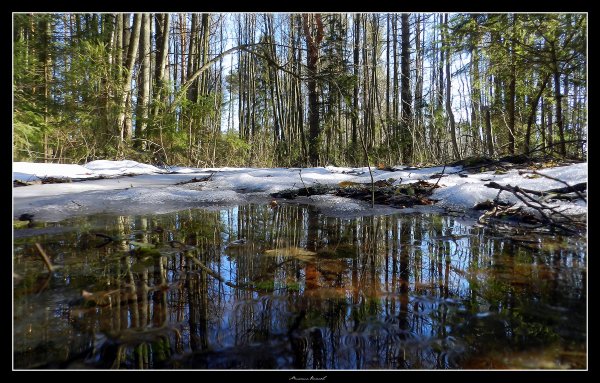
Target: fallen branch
523 196
574 188
577 188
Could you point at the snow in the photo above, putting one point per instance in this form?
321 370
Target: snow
154 189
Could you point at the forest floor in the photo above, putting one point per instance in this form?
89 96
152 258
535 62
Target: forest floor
535 193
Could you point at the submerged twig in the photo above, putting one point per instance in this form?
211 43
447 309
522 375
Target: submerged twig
212 273
107 237
44 257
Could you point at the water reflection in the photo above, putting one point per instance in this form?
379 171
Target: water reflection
255 287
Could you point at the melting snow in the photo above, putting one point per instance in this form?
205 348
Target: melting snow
153 189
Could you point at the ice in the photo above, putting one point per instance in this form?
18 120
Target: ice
341 207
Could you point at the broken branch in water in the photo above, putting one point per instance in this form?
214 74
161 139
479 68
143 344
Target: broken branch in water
44 257
193 180
213 274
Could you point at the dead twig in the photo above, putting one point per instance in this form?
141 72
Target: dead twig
305 188
441 175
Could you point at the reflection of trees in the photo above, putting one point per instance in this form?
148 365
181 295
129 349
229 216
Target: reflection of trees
382 292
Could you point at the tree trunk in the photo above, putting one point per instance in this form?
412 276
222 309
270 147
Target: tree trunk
475 96
356 57
124 120
144 82
455 149
559 116
418 103
192 91
162 22
163 26
313 32
46 30
119 47
488 131
440 87
387 67
510 104
534 107
406 95
549 126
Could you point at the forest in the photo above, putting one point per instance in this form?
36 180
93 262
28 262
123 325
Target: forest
314 89
300 191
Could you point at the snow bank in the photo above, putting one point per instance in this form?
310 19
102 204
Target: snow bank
155 190
111 168
27 171
464 193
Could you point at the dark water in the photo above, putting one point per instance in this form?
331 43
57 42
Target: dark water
298 290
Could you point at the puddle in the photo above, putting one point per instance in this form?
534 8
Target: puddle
255 287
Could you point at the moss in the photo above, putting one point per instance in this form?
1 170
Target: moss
265 285
20 224
146 252
346 251
327 253
293 286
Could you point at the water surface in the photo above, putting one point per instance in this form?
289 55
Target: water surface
257 287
